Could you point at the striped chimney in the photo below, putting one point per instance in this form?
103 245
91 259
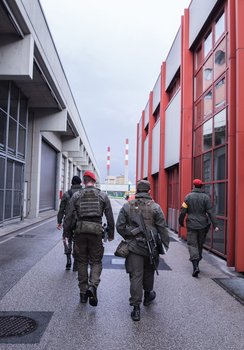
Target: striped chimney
108 161
126 161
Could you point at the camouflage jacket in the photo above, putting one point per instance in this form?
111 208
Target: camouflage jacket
65 201
198 208
125 224
105 208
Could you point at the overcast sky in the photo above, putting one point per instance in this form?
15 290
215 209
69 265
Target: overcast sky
112 51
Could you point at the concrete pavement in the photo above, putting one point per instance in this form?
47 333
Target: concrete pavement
188 313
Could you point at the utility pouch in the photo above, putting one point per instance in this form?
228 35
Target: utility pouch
122 250
89 227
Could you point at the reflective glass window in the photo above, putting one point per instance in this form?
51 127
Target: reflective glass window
198 168
4 90
12 134
3 123
208 44
2 172
207 167
198 84
219 164
207 135
9 179
8 204
220 128
198 113
219 93
218 237
208 190
16 203
198 141
219 27
220 59
1 205
21 145
208 73
198 57
18 176
207 104
14 99
219 199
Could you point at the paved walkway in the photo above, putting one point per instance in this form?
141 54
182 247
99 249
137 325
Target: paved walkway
188 313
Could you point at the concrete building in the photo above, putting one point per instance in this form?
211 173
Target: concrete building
43 142
192 125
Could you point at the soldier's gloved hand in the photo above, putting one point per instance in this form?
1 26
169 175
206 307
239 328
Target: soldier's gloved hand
216 229
59 226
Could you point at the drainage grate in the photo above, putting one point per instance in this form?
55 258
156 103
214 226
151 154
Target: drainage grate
12 326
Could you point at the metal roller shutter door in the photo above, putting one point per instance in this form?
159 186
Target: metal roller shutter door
48 177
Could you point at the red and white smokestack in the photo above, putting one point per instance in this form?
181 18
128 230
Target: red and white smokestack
108 161
126 161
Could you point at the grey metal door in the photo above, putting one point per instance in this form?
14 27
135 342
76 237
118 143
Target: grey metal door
48 177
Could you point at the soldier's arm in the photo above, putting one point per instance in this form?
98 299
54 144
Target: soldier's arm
62 207
160 224
70 215
123 225
183 211
209 210
110 218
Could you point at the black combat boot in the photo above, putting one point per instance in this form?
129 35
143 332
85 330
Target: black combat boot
135 314
92 295
68 264
195 268
83 298
149 297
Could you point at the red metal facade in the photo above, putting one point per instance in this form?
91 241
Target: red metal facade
211 84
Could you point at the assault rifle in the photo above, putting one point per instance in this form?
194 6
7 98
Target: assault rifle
150 239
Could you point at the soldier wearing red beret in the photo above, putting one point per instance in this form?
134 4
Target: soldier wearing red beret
198 208
87 209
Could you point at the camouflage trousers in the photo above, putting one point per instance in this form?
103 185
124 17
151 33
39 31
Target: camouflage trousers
141 273
88 252
195 241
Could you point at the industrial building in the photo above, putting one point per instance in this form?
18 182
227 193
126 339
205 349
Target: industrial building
193 127
43 142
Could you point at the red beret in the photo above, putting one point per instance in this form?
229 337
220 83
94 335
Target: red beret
90 174
197 182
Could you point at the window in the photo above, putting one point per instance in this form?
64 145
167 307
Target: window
208 73
220 128
210 122
207 167
208 44
219 164
219 94
3 122
207 135
220 59
219 27
207 104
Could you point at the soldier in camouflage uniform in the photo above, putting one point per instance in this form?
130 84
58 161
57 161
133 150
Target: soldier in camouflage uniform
62 213
198 208
88 206
138 264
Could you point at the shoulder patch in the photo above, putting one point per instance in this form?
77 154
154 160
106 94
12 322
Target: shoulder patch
184 205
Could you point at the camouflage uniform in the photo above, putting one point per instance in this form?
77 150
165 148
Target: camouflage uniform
88 206
198 208
138 265
64 208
